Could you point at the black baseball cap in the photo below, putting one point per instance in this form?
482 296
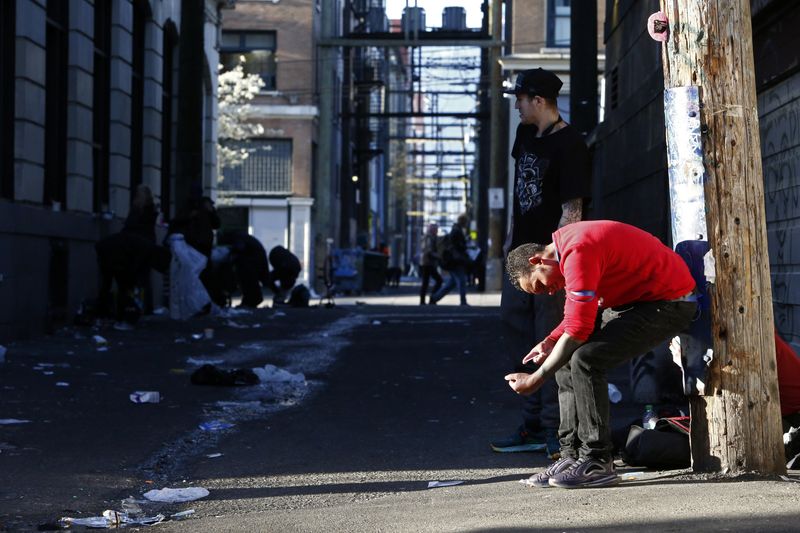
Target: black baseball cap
537 82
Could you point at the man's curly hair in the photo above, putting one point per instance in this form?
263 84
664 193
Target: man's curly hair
517 264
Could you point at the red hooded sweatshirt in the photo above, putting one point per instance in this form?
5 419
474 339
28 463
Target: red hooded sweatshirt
609 264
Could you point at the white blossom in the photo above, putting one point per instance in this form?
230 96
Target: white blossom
236 89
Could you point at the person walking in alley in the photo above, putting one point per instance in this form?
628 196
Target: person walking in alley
453 251
429 263
646 294
551 182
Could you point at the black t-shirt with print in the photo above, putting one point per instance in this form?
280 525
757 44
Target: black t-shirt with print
549 171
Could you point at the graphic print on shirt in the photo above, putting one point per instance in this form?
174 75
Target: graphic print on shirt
530 171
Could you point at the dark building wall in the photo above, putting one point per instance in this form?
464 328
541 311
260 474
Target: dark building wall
776 44
630 178
631 183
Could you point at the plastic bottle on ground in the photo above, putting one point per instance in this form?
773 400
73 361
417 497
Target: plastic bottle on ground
614 394
649 418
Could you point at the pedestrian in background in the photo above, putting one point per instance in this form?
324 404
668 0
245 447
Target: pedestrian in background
453 250
197 227
551 182
429 262
142 215
141 221
646 295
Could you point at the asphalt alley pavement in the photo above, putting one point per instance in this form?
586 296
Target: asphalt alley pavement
397 395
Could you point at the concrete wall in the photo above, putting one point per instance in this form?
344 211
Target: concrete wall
33 237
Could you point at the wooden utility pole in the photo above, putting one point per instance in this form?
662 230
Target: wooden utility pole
736 425
497 171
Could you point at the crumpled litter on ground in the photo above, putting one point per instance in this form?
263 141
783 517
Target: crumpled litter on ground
200 362
182 515
436 484
215 425
211 375
111 519
145 396
271 373
168 495
9 421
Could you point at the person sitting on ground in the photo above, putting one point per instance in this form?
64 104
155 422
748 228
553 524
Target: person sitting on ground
285 269
788 369
646 294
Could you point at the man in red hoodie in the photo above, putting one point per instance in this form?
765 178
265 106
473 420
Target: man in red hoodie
646 294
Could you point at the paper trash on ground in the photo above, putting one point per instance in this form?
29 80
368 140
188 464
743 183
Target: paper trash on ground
9 421
200 362
435 484
215 425
145 396
168 495
111 519
271 373
183 514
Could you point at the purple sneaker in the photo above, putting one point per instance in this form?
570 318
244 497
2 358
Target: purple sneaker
541 479
586 472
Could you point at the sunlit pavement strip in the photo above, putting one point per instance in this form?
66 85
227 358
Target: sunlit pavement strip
361 481
474 299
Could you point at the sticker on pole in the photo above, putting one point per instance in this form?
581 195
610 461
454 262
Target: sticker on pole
658 26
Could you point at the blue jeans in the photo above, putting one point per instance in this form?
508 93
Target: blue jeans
458 276
624 333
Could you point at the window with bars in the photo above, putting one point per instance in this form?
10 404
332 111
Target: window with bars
558 24
267 170
258 50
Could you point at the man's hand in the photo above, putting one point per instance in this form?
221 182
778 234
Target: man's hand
524 384
539 352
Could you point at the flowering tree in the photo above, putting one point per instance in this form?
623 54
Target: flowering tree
235 91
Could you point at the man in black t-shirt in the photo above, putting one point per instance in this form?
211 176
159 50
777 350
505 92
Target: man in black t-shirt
551 182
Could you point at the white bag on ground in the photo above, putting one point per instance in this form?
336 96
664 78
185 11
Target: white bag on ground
187 295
